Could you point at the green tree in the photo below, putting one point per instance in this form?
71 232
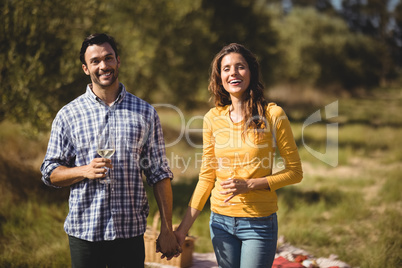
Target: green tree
160 52
172 43
373 18
248 23
38 56
396 34
167 46
320 50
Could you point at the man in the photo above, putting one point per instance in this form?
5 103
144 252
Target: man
106 221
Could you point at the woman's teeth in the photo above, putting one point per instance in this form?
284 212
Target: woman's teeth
234 81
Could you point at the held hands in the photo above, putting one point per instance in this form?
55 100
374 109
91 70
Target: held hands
234 187
180 236
168 245
97 168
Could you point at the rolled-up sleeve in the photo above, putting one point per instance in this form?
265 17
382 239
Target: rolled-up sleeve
59 151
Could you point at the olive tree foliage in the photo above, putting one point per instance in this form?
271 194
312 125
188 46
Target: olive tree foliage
374 19
398 15
166 47
156 37
169 44
247 23
39 56
320 50
397 33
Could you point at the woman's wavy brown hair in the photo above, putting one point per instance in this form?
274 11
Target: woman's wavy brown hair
255 103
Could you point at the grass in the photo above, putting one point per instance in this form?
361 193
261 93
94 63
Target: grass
33 237
31 220
352 210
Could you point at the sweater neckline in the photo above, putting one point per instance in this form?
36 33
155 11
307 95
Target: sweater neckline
227 113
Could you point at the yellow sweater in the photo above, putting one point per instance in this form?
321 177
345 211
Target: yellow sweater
226 152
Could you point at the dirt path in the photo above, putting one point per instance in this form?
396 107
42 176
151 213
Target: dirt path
285 252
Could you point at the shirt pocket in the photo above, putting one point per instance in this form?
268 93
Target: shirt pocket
135 137
85 151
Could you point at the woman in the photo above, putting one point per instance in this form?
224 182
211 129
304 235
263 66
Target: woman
240 137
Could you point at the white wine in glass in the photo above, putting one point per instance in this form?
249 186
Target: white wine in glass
106 149
106 153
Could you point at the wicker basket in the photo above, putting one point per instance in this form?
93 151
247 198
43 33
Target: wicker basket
184 260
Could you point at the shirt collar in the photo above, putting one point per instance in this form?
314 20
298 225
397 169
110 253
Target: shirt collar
91 95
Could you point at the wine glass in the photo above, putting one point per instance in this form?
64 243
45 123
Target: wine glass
106 149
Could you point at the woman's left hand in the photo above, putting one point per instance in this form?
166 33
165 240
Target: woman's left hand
234 187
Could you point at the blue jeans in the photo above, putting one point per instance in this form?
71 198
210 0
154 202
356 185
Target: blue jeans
244 242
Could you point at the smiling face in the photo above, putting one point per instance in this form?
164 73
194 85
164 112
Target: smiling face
235 74
102 65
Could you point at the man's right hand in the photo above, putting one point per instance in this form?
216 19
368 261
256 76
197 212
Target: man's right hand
97 168
65 176
168 245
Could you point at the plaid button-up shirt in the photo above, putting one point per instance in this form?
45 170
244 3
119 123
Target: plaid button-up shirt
97 211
